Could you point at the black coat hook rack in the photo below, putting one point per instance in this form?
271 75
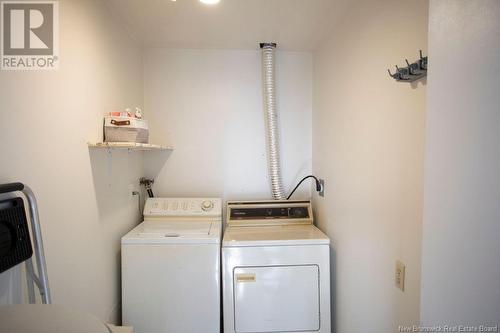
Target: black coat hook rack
412 72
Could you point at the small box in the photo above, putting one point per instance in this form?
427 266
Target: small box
125 129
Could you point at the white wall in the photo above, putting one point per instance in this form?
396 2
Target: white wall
461 248
368 144
46 120
208 104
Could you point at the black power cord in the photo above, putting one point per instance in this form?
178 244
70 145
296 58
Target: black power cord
318 185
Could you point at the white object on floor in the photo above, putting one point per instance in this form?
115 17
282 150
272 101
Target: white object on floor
276 269
46 318
171 267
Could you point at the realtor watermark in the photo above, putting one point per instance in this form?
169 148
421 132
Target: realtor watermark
449 328
29 35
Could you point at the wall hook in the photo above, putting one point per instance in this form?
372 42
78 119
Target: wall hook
423 61
404 73
413 68
394 76
413 71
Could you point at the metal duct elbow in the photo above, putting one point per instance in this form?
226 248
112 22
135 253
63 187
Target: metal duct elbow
271 116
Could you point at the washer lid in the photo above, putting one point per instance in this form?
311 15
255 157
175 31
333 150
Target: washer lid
180 232
274 236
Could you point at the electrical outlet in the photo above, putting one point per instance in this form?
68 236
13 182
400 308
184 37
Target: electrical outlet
400 275
322 192
131 189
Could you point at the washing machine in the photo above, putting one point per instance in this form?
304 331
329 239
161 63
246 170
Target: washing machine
276 269
171 267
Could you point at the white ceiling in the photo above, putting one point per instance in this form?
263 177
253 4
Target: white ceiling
240 24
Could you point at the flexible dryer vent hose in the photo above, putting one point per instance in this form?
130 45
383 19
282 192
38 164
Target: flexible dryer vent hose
271 115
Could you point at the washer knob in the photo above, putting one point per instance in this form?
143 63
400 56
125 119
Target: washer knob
207 205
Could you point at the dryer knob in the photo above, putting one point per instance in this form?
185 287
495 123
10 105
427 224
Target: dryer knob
207 205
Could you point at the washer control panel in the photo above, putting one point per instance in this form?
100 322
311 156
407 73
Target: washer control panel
185 207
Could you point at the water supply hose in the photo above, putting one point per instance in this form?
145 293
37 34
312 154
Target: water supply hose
271 116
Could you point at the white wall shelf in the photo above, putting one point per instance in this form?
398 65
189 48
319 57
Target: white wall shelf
129 146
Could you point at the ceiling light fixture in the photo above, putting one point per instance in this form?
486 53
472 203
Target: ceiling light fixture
210 2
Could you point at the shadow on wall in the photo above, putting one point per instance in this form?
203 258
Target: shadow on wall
115 174
421 82
154 162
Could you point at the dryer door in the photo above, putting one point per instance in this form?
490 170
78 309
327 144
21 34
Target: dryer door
276 298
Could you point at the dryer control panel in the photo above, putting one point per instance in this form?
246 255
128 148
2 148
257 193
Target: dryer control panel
282 212
164 208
